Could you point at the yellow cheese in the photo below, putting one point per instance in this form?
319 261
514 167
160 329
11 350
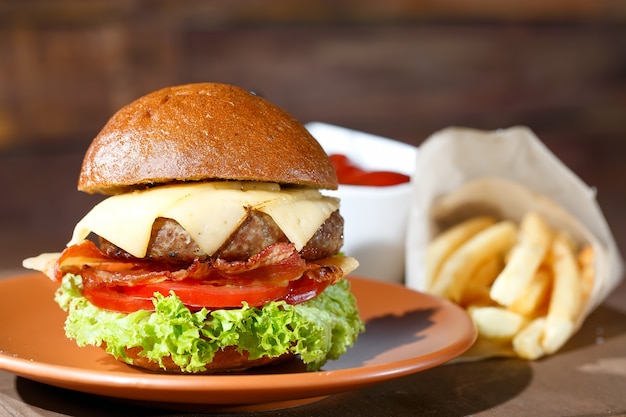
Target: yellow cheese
210 212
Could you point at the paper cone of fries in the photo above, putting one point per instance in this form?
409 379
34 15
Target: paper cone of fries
503 228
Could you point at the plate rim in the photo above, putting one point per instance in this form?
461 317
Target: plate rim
317 383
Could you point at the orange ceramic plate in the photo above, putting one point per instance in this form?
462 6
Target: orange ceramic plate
406 332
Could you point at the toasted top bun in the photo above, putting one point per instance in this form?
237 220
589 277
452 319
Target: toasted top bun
199 132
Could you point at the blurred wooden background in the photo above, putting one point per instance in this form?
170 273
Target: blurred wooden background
401 69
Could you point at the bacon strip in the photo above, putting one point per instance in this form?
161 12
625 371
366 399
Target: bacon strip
277 264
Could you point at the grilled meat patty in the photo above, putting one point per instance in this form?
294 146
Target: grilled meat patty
171 243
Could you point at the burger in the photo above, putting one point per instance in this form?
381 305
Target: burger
215 249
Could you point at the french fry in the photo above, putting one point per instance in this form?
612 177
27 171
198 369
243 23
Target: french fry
527 343
476 291
457 270
496 322
565 301
448 241
524 288
526 256
534 296
558 331
586 259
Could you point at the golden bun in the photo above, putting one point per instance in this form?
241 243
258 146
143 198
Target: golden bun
226 360
200 132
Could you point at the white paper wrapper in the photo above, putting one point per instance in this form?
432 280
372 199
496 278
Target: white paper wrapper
508 172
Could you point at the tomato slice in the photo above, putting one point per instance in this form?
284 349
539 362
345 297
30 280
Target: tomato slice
112 298
304 289
196 295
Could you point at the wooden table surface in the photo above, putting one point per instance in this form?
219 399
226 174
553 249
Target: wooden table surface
391 82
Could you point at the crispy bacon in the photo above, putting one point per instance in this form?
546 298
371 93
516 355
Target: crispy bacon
277 264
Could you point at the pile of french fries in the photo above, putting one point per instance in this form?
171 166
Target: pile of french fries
524 285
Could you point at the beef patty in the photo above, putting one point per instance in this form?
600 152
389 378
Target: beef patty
170 242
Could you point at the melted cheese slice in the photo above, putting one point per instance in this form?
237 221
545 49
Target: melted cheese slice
209 212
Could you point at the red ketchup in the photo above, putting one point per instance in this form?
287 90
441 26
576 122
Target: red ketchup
350 174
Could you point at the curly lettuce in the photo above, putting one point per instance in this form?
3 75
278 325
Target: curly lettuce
317 330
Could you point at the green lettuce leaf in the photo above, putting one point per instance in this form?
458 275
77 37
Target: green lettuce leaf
317 330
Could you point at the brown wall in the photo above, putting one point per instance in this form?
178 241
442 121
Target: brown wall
402 69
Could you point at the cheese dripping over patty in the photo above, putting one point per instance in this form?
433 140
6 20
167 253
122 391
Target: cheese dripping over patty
209 211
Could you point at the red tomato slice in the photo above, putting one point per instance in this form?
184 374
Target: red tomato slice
196 295
304 289
111 298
